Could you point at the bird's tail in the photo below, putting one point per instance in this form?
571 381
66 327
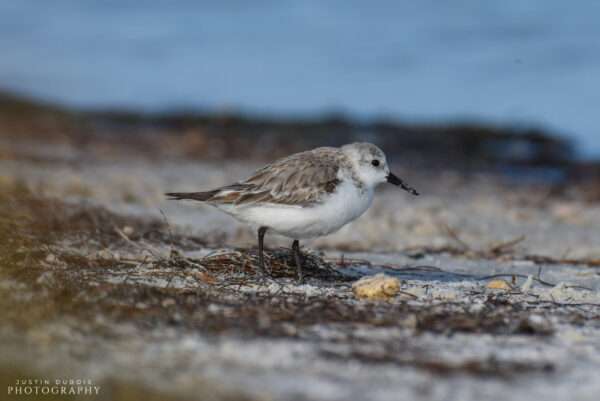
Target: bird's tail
197 196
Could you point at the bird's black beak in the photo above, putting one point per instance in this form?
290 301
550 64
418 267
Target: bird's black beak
392 179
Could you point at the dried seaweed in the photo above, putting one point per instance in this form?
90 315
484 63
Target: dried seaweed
223 292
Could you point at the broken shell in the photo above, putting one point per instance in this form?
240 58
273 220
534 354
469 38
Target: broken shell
379 287
499 285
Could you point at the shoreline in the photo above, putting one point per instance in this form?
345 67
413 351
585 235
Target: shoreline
459 145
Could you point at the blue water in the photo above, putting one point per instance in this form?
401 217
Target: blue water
508 62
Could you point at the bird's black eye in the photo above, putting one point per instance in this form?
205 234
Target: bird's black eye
375 162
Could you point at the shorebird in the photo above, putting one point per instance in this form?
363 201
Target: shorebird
304 195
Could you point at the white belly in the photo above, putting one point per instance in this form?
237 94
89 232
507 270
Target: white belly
343 206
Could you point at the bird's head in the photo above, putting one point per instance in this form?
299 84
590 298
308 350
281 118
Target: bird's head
371 167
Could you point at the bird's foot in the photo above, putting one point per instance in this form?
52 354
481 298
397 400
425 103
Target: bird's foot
298 260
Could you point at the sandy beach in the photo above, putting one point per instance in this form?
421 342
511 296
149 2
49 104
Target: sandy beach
104 279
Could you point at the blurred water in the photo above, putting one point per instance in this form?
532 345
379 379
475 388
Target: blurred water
509 62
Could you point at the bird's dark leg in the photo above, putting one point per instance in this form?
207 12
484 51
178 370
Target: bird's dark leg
261 259
298 260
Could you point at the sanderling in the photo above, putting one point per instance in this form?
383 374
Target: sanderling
305 195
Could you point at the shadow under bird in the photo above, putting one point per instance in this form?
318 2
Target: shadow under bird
304 195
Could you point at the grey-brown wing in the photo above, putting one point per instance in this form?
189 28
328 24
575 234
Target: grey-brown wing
301 179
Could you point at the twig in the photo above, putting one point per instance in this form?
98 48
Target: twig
169 230
454 235
503 246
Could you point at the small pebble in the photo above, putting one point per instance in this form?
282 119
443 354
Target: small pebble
527 285
379 287
127 230
168 302
499 285
104 254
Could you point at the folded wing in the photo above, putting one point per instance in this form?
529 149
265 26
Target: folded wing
302 179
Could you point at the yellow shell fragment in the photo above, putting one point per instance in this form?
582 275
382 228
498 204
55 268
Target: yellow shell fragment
378 287
499 285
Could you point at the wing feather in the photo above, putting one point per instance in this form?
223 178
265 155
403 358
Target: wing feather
301 179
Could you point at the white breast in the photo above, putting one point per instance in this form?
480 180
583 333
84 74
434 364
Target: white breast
344 205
